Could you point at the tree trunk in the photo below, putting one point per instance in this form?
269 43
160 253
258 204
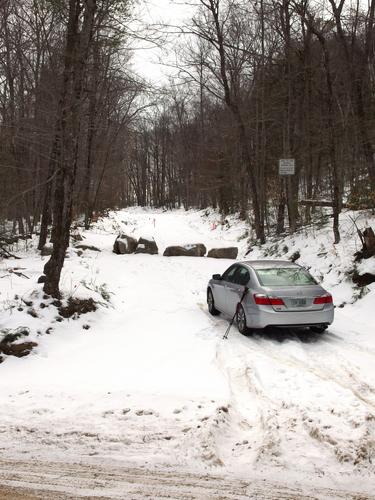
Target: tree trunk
66 152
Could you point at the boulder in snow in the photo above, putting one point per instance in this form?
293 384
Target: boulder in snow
147 246
124 244
223 253
193 250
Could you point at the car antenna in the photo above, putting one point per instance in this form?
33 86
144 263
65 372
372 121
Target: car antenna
235 314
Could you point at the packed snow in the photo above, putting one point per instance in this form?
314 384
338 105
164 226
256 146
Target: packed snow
147 380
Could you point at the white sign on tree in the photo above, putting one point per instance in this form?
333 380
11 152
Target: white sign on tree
287 166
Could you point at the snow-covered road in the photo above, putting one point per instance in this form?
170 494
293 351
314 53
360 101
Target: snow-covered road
151 384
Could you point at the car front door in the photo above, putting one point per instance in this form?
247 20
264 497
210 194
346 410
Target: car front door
236 288
221 288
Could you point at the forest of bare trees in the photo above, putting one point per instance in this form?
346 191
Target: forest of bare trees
67 100
260 81
256 81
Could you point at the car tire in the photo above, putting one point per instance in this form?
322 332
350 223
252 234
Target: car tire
318 329
211 303
241 321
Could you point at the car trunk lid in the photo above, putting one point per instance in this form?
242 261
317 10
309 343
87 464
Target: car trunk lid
302 298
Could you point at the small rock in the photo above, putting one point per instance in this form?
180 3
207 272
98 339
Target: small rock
76 237
88 247
32 313
86 327
49 330
139 413
295 256
223 408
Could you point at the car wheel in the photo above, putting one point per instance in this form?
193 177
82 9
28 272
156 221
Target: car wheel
211 304
318 329
241 321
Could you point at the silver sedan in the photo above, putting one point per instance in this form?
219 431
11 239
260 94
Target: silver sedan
274 293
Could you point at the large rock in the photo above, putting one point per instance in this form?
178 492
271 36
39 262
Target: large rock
124 244
193 250
223 253
147 246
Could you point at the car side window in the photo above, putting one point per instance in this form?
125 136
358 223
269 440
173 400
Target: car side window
229 274
242 276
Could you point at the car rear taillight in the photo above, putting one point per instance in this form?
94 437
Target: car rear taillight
324 299
264 300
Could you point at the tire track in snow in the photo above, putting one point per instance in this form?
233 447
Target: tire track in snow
251 408
344 378
359 451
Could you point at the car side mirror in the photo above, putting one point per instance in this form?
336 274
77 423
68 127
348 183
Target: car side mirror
216 276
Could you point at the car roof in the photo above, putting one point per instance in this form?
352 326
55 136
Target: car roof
268 263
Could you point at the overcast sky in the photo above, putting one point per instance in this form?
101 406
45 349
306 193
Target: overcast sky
146 58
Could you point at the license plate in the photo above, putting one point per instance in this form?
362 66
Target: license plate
298 302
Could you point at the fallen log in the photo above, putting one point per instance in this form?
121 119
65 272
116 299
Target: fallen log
320 203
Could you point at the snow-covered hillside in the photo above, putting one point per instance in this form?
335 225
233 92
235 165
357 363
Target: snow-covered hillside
147 380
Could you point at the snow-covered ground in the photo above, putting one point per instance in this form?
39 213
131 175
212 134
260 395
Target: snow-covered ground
150 383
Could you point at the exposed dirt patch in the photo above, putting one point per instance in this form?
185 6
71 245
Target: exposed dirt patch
77 307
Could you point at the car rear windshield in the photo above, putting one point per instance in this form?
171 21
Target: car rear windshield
284 276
